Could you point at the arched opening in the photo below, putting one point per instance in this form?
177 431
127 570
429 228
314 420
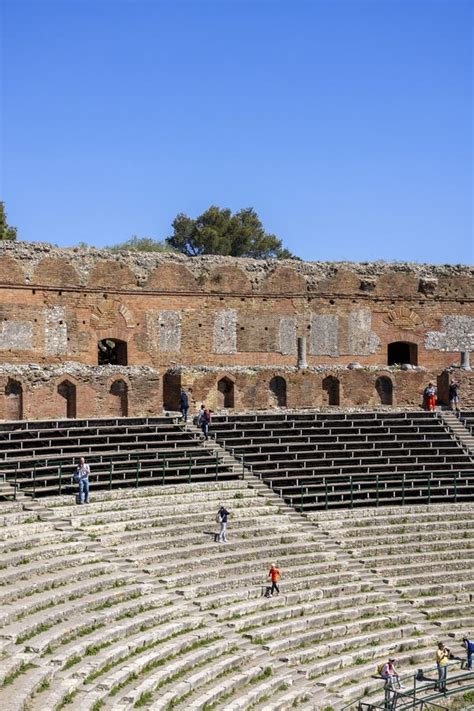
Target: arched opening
112 351
225 393
171 390
278 391
13 400
384 388
402 352
118 400
331 389
67 390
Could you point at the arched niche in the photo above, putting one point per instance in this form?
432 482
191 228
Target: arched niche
284 280
331 390
13 400
277 388
11 271
118 398
225 393
171 277
171 389
384 388
228 279
112 351
112 274
67 391
55 272
402 352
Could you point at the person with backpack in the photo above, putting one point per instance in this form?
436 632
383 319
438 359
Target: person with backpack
468 644
430 397
387 671
453 396
274 575
205 415
221 519
184 405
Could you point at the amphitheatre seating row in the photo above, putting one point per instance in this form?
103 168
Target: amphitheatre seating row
322 460
426 553
39 457
467 419
130 602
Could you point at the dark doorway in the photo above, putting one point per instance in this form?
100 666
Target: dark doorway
225 392
278 391
401 352
112 351
171 390
119 398
331 389
384 388
13 400
67 390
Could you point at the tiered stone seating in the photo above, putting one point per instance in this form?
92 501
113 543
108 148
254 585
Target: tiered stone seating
133 603
332 460
39 457
425 553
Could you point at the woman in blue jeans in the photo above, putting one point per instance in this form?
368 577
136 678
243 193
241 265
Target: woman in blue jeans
81 475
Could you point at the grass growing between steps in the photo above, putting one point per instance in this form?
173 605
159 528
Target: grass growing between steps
264 674
99 671
10 678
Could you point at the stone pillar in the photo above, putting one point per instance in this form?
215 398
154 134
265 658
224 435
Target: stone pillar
301 363
465 364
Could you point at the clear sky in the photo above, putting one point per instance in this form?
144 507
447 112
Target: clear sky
347 124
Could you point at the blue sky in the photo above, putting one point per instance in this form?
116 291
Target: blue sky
347 125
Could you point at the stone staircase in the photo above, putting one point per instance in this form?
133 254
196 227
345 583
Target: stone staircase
460 432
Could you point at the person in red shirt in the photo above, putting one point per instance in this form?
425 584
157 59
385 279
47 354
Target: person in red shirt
274 575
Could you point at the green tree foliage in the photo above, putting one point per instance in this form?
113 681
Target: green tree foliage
142 244
218 231
6 232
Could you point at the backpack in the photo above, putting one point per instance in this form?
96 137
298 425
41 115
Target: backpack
379 669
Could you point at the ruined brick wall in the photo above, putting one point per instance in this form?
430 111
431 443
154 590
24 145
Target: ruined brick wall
169 310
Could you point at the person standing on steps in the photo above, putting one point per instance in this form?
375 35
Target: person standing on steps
430 397
468 645
81 476
442 658
184 405
453 396
274 575
205 415
221 518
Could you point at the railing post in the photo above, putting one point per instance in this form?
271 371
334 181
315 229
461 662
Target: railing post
326 493
16 477
403 489
190 471
429 489
34 480
137 472
243 466
455 488
217 465
376 490
110 474
163 472
301 505
352 492
60 478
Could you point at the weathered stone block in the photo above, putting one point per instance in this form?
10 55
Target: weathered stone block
16 335
225 336
324 334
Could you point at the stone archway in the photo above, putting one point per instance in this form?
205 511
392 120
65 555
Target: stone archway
331 388
225 394
118 398
171 390
112 351
13 400
67 391
384 388
277 387
402 352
